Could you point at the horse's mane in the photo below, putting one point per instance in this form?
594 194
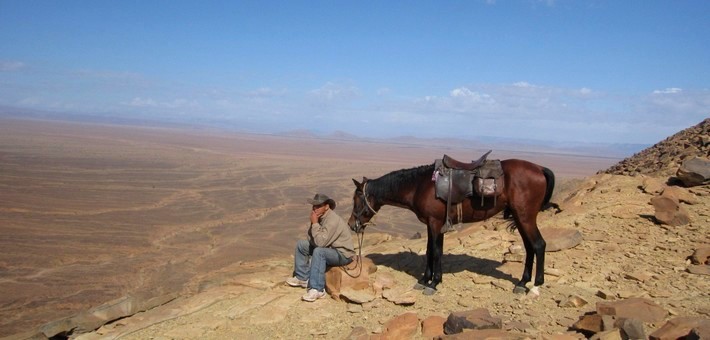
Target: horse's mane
391 182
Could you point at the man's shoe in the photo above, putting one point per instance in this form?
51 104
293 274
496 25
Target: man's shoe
295 282
313 295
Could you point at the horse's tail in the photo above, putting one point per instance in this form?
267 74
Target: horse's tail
546 204
550 178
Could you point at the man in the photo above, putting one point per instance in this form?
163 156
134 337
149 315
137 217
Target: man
328 243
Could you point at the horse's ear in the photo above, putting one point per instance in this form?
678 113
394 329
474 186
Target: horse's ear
357 184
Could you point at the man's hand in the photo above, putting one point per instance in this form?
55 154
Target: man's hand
315 215
317 212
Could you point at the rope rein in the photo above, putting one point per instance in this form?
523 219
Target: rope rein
361 235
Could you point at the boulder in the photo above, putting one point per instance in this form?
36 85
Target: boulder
433 326
679 328
572 301
669 211
472 319
694 171
355 276
701 256
561 238
404 297
404 326
633 308
589 324
631 328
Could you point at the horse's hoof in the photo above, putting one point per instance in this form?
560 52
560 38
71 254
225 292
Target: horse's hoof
419 286
429 291
520 290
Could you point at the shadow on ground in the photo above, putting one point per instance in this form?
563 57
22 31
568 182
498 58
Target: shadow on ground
413 264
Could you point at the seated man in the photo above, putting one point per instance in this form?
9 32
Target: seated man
328 243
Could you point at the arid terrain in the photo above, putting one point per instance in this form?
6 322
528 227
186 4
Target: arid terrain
92 213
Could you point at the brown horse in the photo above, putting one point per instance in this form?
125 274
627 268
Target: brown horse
527 190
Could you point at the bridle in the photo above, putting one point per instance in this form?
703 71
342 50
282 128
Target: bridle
359 229
359 226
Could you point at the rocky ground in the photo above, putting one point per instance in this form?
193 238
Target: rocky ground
623 253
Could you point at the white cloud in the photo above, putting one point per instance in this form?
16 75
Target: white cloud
151 103
332 91
265 92
668 90
11 65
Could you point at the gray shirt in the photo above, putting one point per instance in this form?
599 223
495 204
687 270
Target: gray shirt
332 231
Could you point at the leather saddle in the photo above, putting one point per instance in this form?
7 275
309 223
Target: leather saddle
458 165
456 181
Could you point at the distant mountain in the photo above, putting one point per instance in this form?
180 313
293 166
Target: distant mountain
473 142
300 133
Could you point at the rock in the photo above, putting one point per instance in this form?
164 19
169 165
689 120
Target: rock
576 336
590 323
510 257
613 334
652 186
472 319
668 210
433 326
486 334
682 194
573 301
516 248
357 296
701 256
694 171
679 328
605 295
638 276
94 318
561 238
358 333
355 276
633 308
700 332
631 328
404 326
699 269
383 281
403 297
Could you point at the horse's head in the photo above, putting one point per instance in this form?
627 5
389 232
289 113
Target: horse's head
362 212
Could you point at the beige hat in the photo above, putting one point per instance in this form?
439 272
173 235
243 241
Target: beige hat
319 199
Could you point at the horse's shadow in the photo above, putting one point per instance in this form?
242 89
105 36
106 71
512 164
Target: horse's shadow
413 264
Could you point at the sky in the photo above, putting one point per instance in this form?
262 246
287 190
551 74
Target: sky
614 71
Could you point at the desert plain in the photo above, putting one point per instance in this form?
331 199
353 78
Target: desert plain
92 212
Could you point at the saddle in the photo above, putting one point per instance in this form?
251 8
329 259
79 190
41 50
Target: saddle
457 165
456 181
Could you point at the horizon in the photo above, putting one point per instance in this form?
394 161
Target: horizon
598 72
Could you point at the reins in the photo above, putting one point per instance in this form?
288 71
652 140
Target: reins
361 234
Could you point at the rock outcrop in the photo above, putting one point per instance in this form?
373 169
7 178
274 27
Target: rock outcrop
667 156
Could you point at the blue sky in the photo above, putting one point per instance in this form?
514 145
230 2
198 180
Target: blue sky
585 71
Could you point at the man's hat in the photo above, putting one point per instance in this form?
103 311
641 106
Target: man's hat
319 199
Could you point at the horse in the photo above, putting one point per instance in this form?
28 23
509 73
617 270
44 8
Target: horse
527 190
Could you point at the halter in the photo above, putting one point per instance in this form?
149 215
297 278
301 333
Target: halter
359 225
360 230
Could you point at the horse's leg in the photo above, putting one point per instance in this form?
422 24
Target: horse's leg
428 270
438 252
534 249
